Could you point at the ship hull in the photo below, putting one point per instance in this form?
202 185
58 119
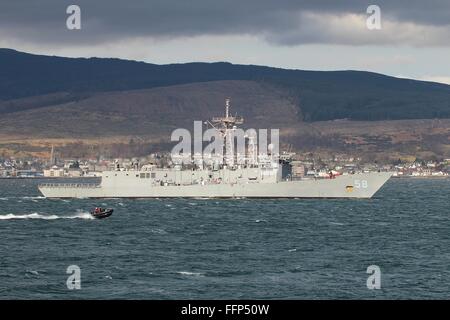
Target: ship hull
363 185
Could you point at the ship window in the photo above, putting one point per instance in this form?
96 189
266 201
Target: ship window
137 176
147 175
153 175
142 175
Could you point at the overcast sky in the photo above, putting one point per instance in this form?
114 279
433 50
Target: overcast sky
414 40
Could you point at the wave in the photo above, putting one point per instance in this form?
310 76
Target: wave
32 272
23 198
337 223
158 231
32 198
186 273
35 215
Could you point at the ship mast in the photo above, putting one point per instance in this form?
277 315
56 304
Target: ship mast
226 125
227 107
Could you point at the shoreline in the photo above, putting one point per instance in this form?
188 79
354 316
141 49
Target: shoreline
420 177
49 178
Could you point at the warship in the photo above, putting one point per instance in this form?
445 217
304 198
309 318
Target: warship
256 175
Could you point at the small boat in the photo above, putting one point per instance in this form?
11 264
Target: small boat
100 213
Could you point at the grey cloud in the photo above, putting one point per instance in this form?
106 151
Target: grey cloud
283 22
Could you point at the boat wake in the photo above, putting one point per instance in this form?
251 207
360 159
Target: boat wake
35 215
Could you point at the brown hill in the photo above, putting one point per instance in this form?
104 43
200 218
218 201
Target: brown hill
108 121
151 112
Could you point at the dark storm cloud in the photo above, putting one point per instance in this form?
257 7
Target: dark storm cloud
285 22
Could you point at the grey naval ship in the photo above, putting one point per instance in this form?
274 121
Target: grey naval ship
255 177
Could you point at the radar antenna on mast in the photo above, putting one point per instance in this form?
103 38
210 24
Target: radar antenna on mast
225 125
228 121
227 107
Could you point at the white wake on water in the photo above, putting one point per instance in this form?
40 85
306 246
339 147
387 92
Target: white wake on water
187 273
35 215
32 198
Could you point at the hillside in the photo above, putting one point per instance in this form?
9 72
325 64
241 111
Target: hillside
150 112
318 96
137 122
123 108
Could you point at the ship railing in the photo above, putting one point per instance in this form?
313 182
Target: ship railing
69 185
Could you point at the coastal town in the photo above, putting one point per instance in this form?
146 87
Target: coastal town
308 165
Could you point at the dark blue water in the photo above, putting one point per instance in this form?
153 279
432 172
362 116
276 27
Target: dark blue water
227 249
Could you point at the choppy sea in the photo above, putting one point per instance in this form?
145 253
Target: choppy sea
227 249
